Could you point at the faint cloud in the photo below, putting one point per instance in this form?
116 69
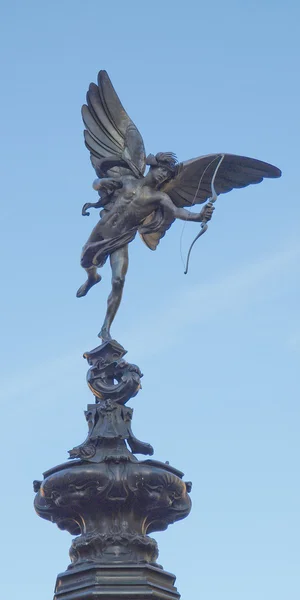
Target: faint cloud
161 329
202 301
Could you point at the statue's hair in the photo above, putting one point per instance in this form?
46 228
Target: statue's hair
162 159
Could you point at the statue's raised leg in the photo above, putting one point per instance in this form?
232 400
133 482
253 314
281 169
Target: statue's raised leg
92 278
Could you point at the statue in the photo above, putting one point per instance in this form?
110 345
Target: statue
133 202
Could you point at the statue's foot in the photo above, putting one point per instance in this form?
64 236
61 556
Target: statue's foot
104 335
83 290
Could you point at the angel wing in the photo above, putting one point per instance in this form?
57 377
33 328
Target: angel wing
115 144
192 184
234 172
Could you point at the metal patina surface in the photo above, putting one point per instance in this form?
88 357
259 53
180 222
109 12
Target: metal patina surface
133 201
105 496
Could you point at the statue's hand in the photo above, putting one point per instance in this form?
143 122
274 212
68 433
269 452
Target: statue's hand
206 212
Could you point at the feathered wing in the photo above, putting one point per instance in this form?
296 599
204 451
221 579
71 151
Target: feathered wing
111 137
234 172
192 184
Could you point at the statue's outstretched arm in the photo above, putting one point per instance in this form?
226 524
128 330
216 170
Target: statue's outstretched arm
185 215
107 185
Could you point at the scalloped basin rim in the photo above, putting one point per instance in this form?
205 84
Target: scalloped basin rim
154 463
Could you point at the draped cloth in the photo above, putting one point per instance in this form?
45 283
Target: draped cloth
96 253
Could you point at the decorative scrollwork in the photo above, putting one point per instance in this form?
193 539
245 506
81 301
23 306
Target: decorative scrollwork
113 506
110 377
113 381
91 547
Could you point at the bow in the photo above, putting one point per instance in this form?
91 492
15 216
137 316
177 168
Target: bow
212 200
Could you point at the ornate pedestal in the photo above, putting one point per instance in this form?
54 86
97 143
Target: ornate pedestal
115 581
109 499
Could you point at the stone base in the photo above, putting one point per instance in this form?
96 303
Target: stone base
116 582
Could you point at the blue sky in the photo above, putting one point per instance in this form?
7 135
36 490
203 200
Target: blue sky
219 348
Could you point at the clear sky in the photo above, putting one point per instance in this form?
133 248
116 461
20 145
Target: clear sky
219 348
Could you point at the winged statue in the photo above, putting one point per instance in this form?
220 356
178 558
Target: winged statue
134 201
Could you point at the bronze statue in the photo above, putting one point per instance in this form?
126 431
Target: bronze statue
132 202
105 496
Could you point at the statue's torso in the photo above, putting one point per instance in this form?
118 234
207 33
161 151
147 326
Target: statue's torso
128 208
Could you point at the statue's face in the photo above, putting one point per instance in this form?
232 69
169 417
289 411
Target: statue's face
160 174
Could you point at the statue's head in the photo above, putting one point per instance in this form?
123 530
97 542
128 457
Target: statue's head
162 166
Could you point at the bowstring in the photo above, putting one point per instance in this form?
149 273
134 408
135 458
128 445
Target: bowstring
195 196
193 204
